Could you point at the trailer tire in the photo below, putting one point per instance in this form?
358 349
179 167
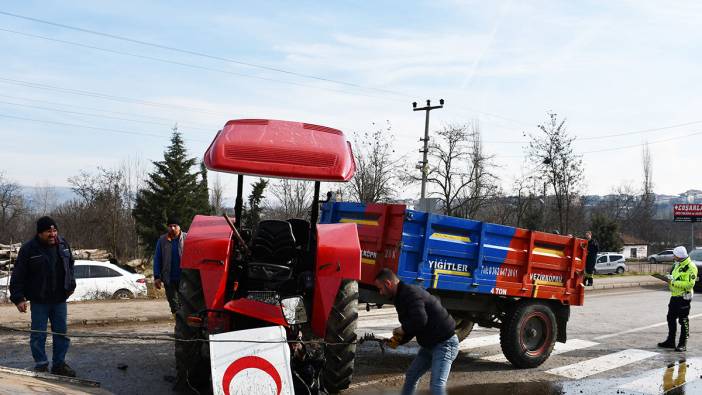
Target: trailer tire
192 364
528 336
341 328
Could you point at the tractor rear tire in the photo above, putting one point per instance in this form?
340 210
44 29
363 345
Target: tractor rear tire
192 363
528 335
341 328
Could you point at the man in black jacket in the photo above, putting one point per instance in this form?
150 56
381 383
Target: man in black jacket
593 248
43 275
422 316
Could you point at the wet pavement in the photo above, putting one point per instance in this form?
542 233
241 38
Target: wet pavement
611 350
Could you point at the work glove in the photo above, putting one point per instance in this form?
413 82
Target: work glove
397 335
669 277
394 341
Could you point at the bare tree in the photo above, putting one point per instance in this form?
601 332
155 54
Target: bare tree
552 149
375 166
217 195
44 198
12 207
294 198
642 225
459 169
484 183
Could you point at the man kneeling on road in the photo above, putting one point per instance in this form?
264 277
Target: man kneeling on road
681 282
423 317
43 275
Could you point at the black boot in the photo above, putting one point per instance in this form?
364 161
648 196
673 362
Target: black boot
668 343
684 334
670 340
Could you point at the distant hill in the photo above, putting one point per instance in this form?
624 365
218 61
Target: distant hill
59 195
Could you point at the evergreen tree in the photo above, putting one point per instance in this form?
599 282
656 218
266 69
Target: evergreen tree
203 194
252 215
606 232
171 189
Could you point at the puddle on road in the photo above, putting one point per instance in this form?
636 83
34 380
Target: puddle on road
679 378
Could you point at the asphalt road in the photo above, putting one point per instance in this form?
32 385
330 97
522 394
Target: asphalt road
611 349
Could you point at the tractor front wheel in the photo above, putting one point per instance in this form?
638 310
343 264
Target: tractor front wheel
192 362
341 328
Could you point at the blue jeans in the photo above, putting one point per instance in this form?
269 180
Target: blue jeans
56 313
439 359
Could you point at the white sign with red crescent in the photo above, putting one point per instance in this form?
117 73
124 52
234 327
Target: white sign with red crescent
244 368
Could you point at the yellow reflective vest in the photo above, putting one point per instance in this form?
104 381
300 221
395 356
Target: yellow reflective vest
684 277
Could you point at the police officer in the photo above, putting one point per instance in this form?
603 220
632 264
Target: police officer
681 282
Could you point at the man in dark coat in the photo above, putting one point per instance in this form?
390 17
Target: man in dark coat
43 275
169 249
422 316
592 249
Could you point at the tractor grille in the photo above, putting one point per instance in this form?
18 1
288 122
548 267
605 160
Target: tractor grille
269 297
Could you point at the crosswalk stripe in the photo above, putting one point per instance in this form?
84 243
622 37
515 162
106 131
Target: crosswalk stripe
476 342
601 364
391 322
664 380
559 348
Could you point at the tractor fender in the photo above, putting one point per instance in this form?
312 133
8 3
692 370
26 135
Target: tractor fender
338 258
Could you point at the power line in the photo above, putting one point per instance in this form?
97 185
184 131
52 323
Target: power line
93 115
199 54
187 125
120 131
189 65
619 148
105 96
229 60
607 136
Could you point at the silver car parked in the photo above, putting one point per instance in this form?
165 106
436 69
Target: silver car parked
663 256
610 262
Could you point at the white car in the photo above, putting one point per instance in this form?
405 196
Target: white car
610 262
103 280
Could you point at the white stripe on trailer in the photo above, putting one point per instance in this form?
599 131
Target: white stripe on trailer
601 364
663 380
559 348
476 342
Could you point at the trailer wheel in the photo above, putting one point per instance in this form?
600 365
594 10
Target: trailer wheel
341 328
464 326
528 336
192 364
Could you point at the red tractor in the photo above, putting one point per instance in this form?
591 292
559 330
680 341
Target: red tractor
280 272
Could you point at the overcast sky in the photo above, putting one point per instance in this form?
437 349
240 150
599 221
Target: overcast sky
621 72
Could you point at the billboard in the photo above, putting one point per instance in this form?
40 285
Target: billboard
687 212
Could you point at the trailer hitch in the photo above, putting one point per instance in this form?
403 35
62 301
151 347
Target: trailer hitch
370 337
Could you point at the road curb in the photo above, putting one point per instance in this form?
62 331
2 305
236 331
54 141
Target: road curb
625 285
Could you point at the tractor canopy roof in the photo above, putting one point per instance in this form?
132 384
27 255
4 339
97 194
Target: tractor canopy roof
284 149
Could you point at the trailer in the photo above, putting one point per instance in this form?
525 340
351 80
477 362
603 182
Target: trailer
520 281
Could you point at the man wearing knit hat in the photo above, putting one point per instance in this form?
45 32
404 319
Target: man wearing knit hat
681 282
169 249
43 275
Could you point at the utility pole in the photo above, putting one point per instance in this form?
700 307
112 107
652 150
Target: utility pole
425 164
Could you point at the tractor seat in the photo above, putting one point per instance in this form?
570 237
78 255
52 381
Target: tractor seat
273 251
301 231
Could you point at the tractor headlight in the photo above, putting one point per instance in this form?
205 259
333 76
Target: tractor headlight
294 310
